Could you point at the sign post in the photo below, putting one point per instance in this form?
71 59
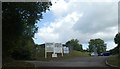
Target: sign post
48 48
53 47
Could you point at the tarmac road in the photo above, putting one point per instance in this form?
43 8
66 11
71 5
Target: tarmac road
94 61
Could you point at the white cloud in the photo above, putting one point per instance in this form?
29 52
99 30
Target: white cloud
81 20
110 45
59 7
59 29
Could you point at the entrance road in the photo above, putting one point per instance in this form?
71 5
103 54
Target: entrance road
94 61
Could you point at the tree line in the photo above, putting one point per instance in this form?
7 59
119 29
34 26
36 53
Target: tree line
97 43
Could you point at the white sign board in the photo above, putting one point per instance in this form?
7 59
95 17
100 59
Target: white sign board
53 47
49 47
58 48
54 55
66 49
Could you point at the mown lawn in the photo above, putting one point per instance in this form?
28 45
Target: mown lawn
114 60
65 56
78 54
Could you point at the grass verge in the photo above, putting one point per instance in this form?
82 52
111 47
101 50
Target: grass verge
114 60
18 65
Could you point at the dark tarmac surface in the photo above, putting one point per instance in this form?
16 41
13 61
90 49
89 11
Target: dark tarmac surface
94 61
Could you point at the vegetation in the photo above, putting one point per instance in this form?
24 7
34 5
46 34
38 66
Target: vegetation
98 44
116 50
19 19
19 26
114 60
78 54
74 44
117 41
41 56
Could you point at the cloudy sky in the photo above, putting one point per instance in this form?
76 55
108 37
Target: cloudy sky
78 19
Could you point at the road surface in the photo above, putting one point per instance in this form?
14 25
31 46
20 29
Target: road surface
95 61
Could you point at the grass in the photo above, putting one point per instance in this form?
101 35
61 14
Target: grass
65 56
78 54
14 64
114 60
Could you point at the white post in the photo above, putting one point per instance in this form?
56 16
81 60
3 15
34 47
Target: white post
45 54
62 51
45 51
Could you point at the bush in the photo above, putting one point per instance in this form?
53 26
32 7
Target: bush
23 54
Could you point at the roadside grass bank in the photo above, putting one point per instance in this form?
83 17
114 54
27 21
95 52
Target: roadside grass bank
114 61
15 64
72 54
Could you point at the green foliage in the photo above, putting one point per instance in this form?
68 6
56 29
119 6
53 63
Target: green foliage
117 41
98 43
117 38
19 26
74 43
115 50
40 52
24 49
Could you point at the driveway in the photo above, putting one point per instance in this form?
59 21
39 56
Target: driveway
95 61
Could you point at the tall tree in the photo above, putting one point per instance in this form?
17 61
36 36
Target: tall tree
117 41
74 43
98 44
18 20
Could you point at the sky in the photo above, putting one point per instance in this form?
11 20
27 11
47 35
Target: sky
79 19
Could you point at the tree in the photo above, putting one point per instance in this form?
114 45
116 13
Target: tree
114 50
98 44
18 24
74 43
117 41
23 49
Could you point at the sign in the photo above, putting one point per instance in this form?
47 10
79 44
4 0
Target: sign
49 47
53 47
58 48
54 55
66 49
